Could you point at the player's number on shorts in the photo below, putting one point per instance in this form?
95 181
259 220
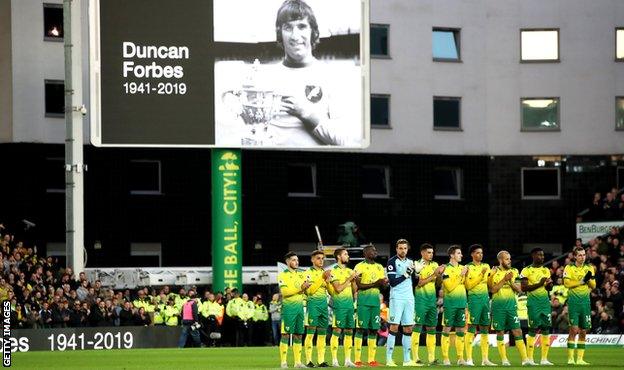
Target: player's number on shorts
516 320
377 319
587 318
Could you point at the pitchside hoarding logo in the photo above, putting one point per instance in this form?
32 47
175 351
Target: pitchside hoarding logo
561 340
6 333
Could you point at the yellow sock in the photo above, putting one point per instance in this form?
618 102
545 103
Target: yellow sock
530 345
283 350
468 342
459 345
502 351
415 345
308 347
297 351
521 348
358 348
485 347
571 348
444 346
372 349
320 347
333 346
431 346
580 350
545 346
348 345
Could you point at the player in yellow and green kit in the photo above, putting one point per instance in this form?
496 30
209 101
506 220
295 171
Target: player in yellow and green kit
454 305
579 278
536 282
343 288
505 308
292 284
478 304
317 314
372 278
425 293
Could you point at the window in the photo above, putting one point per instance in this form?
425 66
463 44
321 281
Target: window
145 177
55 175
446 113
380 110
301 180
445 45
619 113
540 114
54 98
539 45
53 22
379 40
447 183
375 182
619 44
541 183
146 254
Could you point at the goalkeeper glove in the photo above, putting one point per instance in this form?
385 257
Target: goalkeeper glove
409 272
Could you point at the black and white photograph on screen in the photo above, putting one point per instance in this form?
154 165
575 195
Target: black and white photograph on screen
293 77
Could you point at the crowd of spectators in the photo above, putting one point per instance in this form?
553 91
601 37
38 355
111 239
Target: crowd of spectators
609 206
606 253
44 294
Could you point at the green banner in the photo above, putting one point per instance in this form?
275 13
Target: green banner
227 226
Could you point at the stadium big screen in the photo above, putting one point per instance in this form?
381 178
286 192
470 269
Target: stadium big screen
220 73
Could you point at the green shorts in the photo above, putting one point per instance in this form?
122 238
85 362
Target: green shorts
539 316
368 317
454 317
427 315
317 315
343 318
292 322
505 319
580 315
479 312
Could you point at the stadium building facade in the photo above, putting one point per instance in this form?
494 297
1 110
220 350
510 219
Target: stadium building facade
492 122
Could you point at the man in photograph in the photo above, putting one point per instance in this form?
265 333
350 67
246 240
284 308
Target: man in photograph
305 116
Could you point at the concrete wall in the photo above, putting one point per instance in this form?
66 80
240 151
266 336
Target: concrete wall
491 80
34 60
6 78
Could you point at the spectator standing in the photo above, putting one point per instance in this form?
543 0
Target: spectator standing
45 316
77 317
260 320
126 316
245 317
275 309
190 321
98 315
141 318
171 313
230 323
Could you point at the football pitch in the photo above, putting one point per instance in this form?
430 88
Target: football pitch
259 358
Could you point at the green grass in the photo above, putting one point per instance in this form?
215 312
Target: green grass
256 358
